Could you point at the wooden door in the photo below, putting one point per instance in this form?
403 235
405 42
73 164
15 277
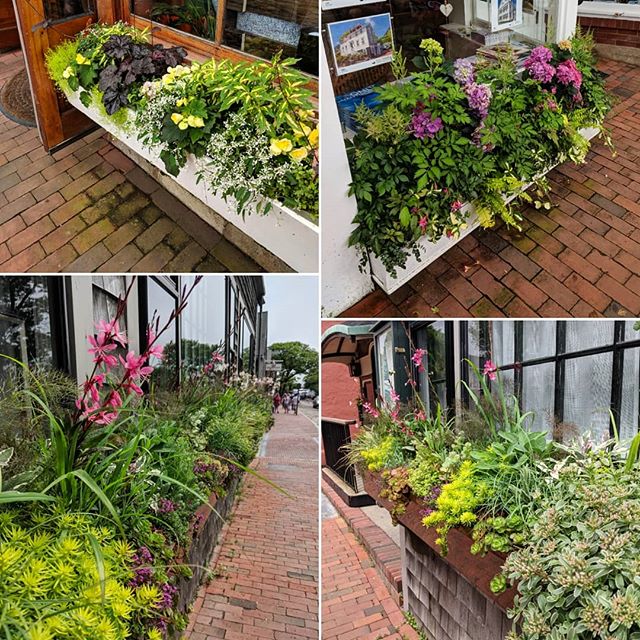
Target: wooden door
8 27
44 24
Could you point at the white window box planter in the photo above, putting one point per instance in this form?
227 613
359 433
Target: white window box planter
430 251
287 234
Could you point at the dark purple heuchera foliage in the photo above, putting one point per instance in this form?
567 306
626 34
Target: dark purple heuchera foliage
538 65
430 499
423 124
143 571
133 63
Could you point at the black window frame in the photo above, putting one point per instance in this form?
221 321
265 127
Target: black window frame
618 347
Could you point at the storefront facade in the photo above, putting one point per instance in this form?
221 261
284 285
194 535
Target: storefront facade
45 321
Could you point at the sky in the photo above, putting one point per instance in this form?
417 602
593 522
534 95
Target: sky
293 306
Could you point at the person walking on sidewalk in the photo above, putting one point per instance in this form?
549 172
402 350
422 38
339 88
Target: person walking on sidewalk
286 402
295 401
276 402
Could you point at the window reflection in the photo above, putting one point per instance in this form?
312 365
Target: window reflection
59 9
260 28
163 303
25 323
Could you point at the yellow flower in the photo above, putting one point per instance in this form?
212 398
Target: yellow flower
313 137
168 79
176 118
68 72
195 122
80 59
299 154
182 125
280 146
565 45
182 102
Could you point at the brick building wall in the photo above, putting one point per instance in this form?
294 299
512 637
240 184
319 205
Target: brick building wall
339 389
443 602
612 31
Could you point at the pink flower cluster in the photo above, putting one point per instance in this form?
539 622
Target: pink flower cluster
372 411
568 73
96 406
424 124
538 64
418 357
490 370
216 358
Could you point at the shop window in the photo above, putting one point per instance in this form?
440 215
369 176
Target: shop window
246 349
587 394
162 301
63 9
258 28
386 373
202 322
432 382
107 290
26 323
573 375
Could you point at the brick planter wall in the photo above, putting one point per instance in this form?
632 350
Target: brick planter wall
201 549
612 31
442 600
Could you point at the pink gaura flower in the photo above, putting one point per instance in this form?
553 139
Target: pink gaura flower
490 370
154 350
114 400
456 205
104 417
394 396
418 357
370 410
101 348
420 415
423 222
217 357
112 332
130 386
135 366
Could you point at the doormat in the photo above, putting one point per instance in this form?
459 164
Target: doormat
15 100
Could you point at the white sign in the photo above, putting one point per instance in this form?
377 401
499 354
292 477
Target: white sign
505 14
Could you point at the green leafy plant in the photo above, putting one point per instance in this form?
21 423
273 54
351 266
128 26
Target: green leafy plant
465 133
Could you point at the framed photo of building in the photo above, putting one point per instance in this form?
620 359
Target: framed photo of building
360 43
505 14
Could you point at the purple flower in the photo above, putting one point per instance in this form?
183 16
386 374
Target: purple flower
464 72
168 592
166 506
568 73
423 124
537 64
479 97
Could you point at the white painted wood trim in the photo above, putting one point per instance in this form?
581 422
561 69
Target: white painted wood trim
287 234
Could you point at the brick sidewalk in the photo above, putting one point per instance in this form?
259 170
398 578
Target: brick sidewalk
89 208
580 259
267 585
355 601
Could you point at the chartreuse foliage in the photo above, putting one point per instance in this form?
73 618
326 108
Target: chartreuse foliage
466 133
66 578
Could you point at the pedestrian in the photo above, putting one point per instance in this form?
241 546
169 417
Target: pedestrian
276 402
295 401
286 402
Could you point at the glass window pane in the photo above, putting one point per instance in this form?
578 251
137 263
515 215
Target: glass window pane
61 9
191 16
587 393
161 302
538 339
503 342
263 28
538 386
630 332
587 334
203 322
385 365
25 322
629 410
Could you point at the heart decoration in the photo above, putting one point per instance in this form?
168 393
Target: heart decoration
446 9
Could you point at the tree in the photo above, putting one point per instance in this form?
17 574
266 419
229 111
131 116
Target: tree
311 378
297 358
